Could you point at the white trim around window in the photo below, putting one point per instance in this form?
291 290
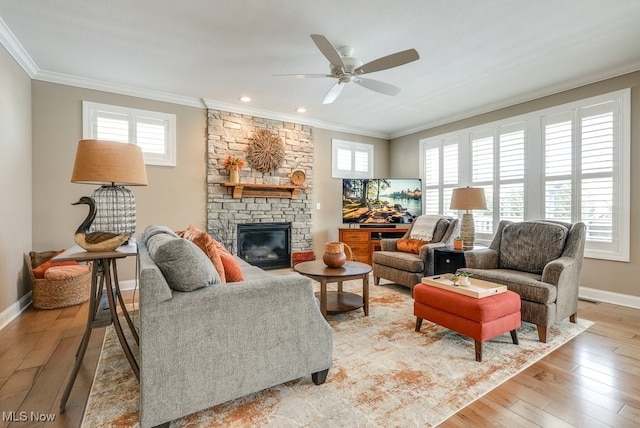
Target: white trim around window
569 162
154 132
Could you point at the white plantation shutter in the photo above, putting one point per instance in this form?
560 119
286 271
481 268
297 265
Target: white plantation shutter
154 132
511 172
441 164
482 175
351 160
566 163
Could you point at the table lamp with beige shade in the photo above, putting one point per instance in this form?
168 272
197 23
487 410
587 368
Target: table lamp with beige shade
468 199
112 165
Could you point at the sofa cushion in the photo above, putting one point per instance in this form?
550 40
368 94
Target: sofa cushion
528 285
208 245
404 261
184 266
232 268
441 228
529 246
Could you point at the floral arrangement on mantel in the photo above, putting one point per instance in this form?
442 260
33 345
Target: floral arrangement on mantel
233 163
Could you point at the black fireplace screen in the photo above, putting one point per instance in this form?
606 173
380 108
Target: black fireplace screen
266 245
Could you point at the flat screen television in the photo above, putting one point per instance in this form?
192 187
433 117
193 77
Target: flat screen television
381 201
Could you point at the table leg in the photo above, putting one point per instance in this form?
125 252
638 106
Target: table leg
339 286
116 321
93 308
365 293
125 312
323 297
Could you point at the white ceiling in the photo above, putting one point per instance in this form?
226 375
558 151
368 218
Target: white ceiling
475 56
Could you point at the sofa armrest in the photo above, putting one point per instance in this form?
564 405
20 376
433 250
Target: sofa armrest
484 258
389 244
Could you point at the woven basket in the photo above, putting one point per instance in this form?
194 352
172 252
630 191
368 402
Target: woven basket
57 293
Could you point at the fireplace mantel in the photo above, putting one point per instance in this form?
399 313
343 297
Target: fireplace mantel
255 190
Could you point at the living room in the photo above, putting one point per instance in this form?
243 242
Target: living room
41 123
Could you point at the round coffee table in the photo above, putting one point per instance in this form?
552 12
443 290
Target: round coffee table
338 301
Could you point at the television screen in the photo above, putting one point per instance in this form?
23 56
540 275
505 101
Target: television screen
381 200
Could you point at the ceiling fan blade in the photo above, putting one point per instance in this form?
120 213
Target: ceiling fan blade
328 50
376 85
303 76
389 61
333 93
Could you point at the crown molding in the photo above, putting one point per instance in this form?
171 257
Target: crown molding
13 46
523 98
267 114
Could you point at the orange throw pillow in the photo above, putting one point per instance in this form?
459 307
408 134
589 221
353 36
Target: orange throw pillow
39 271
208 245
407 245
62 272
232 269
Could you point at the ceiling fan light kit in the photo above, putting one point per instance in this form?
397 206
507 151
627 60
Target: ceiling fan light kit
347 69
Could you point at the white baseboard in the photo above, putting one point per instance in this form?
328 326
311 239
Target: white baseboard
128 285
609 297
14 310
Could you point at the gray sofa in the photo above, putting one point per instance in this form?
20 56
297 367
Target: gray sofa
221 341
539 260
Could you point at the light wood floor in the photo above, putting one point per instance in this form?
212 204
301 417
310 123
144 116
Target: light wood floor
592 381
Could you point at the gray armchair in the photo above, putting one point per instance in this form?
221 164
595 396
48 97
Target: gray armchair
539 260
408 268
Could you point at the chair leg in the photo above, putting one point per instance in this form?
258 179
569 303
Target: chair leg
478 351
573 318
418 323
542 333
376 280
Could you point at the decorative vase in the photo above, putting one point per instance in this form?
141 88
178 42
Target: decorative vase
334 255
234 176
464 281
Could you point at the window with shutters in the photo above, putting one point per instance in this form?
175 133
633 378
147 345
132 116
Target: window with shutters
351 160
440 166
567 163
153 131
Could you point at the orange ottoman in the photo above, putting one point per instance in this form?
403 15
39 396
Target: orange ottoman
480 319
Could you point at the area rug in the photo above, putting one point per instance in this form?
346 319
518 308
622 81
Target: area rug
384 374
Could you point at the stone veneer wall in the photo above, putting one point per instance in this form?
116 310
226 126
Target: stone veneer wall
229 134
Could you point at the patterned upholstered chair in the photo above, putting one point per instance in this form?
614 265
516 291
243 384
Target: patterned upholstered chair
408 268
539 260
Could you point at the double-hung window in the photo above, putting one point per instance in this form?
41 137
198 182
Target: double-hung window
154 132
351 160
567 163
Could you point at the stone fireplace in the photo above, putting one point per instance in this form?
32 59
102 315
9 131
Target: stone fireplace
229 134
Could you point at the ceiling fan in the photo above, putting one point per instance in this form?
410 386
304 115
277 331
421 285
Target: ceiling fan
347 68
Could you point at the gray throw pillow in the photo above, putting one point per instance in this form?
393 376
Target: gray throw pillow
529 246
184 266
441 228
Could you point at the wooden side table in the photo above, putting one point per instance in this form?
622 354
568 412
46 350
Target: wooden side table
102 303
338 301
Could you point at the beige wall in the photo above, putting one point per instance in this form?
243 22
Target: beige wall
15 181
328 191
175 196
598 274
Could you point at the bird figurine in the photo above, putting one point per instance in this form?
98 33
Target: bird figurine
96 241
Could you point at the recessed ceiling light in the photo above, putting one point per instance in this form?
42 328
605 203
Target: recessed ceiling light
301 110
245 99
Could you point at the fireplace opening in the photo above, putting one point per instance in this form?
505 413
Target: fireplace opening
266 245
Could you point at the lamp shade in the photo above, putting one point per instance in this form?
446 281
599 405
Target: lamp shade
468 198
100 162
